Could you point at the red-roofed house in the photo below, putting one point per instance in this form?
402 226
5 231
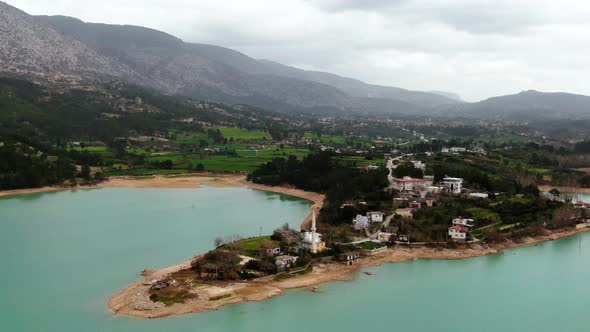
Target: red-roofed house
458 233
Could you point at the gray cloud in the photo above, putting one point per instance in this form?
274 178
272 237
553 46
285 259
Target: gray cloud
477 48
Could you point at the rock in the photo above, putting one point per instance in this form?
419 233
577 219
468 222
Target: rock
160 285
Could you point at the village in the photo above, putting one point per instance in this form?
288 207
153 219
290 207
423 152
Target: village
289 253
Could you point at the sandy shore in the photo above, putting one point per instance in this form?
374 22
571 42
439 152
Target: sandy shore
156 181
134 300
565 189
186 181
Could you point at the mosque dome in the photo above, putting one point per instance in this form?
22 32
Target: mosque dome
307 237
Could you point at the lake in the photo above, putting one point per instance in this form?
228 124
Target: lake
63 254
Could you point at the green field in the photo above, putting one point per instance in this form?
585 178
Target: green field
339 140
239 134
245 161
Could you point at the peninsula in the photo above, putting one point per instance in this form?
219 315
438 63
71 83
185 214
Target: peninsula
198 295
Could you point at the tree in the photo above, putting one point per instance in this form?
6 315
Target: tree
565 216
218 242
554 192
98 176
408 169
85 172
200 167
167 164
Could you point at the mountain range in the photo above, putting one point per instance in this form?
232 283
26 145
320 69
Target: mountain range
58 47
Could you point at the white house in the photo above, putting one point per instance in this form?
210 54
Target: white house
454 149
466 222
360 222
419 165
285 261
453 185
458 233
376 216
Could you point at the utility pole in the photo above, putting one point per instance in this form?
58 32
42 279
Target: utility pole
260 232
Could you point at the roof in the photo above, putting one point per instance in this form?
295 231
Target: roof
459 228
411 180
452 179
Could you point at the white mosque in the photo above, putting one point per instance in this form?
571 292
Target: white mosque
312 241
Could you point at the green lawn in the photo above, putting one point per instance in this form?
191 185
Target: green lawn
252 245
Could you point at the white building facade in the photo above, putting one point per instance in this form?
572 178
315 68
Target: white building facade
453 185
458 233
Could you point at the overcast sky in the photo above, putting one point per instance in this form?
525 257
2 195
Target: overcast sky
476 48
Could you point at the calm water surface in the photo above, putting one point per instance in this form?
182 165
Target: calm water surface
63 254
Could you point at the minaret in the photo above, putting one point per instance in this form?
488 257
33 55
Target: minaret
313 234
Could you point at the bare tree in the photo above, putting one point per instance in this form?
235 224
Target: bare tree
566 216
218 242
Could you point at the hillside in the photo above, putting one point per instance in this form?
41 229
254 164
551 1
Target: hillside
28 47
49 47
529 106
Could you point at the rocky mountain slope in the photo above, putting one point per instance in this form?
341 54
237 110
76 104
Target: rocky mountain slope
30 47
55 46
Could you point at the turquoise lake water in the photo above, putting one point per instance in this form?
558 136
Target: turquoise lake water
63 254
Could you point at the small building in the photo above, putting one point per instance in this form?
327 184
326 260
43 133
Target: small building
360 222
419 165
271 251
458 233
463 222
454 149
375 216
285 261
399 201
384 236
349 258
410 184
453 185
402 238
211 271
415 205
434 189
479 195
